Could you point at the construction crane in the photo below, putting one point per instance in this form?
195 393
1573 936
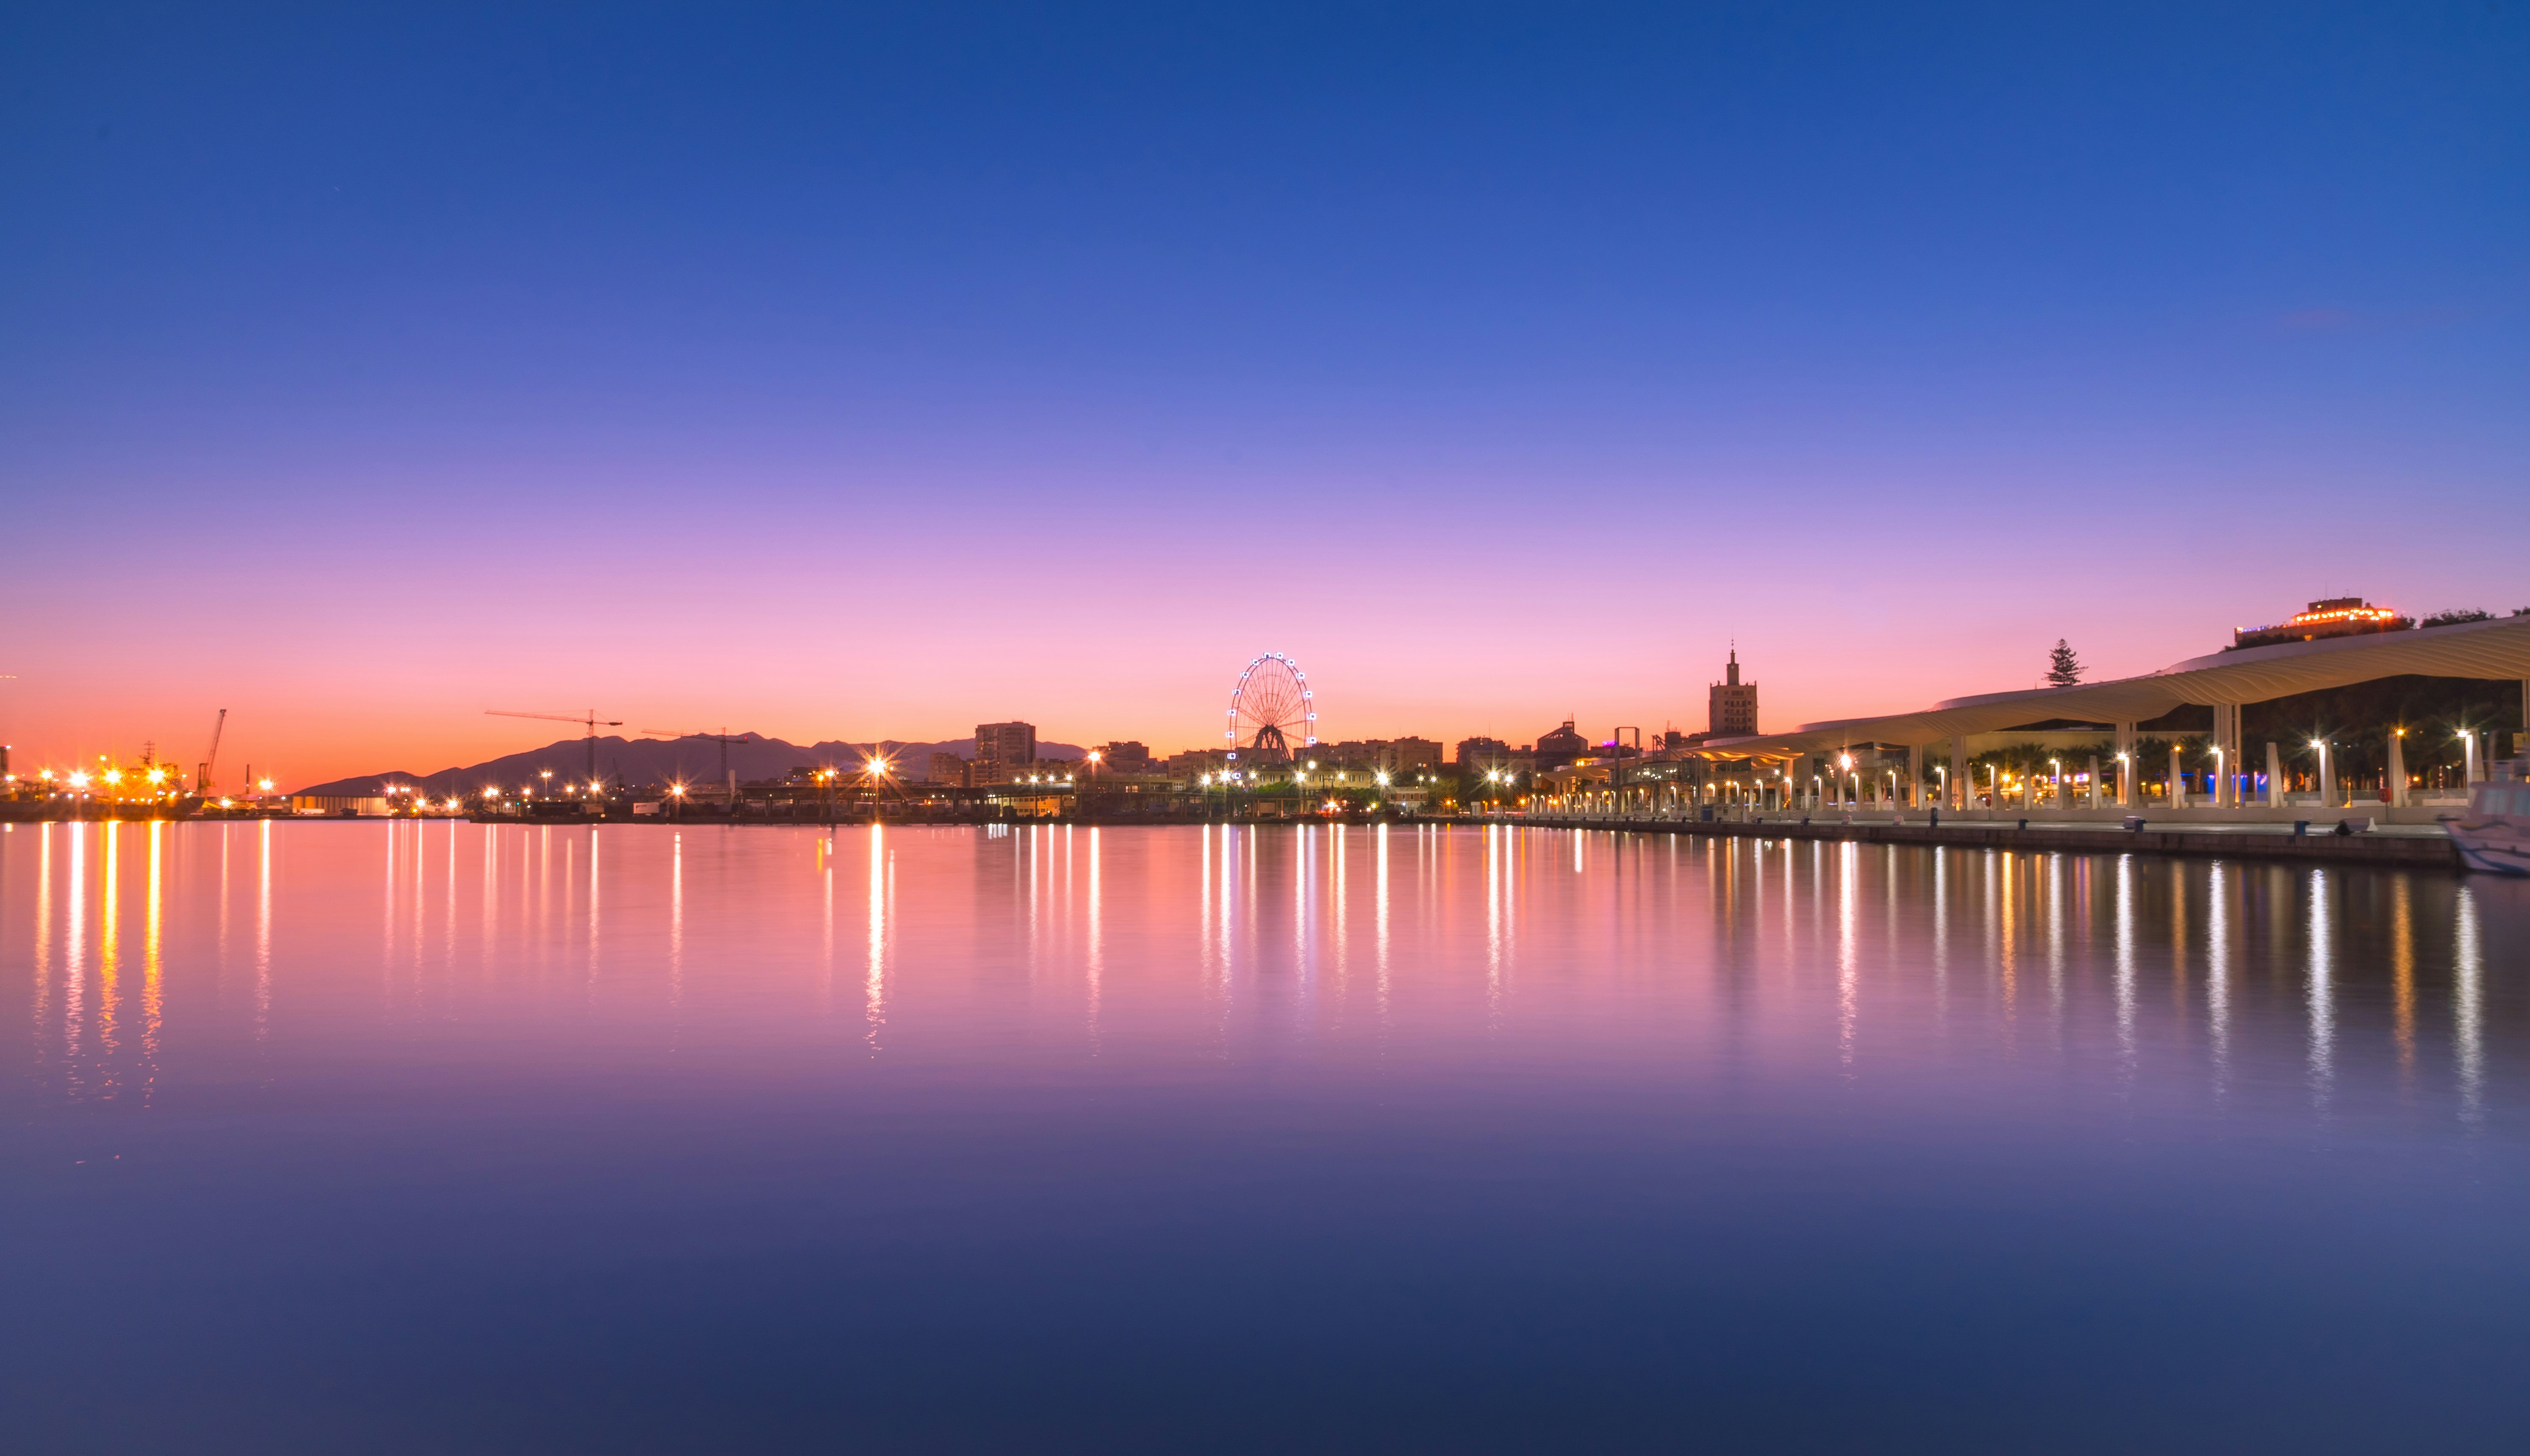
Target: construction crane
589 719
724 738
203 774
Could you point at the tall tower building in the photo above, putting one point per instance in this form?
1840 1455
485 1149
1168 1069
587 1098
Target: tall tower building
1735 704
1002 749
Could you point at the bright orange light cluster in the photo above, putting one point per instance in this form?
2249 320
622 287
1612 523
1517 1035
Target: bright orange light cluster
2345 614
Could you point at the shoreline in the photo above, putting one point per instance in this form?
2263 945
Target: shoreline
2413 849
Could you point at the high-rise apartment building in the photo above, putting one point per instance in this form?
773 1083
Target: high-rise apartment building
1002 749
1735 704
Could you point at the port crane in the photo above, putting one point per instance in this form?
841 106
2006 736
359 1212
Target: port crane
589 719
724 738
202 773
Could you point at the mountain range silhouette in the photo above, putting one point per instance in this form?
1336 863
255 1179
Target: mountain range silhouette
641 763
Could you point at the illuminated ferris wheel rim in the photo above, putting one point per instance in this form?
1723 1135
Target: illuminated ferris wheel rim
1272 713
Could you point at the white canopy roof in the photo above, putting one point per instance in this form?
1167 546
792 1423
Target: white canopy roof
2479 648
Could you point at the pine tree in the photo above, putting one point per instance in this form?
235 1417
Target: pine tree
2063 669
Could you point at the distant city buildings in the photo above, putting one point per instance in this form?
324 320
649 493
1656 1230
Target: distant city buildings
1482 753
951 770
1560 747
1384 755
1734 704
1195 762
1002 749
1407 755
1125 757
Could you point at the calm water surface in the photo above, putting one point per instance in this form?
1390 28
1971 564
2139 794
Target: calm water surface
433 1137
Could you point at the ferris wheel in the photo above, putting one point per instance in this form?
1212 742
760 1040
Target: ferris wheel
1271 709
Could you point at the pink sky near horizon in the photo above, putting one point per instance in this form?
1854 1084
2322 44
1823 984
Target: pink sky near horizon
342 668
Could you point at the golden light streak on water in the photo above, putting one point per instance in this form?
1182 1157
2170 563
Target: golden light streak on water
2322 995
108 957
1849 971
75 969
154 988
2217 973
2402 976
874 988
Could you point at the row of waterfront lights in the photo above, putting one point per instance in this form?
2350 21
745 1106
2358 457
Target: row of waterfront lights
81 781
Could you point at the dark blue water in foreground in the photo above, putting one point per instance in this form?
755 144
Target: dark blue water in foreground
336 1137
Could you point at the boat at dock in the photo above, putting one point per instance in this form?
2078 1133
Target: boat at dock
2494 836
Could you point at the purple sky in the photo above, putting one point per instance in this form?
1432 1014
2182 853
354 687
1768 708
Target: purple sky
839 374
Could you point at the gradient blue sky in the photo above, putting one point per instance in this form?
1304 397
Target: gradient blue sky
847 372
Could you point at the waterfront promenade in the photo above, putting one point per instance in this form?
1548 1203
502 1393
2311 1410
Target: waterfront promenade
2419 845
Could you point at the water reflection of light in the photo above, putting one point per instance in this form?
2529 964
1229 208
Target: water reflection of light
108 955
2468 1012
825 860
676 918
263 932
2006 955
1847 967
2055 893
1339 840
1492 918
874 1013
1228 899
2402 976
596 836
387 903
1302 842
2322 998
153 990
75 949
2217 973
491 882
1942 929
1097 949
2125 967
43 995
1380 904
